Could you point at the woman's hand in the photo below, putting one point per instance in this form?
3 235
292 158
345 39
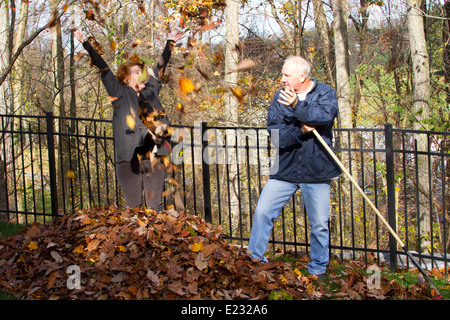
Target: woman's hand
159 133
175 36
79 35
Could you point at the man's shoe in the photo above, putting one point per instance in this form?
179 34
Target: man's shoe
322 277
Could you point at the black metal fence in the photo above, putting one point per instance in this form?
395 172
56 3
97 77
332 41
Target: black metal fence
51 166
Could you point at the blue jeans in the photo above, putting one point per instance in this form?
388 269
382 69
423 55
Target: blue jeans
276 193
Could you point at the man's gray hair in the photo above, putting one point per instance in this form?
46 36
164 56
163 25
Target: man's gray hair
301 65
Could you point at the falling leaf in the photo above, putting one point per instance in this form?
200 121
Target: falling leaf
237 92
131 123
90 15
78 56
32 245
136 43
70 174
179 107
218 58
174 182
179 205
209 26
186 85
244 65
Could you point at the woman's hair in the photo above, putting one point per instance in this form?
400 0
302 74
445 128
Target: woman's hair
124 69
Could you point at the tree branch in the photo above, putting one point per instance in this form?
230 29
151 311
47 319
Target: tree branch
30 39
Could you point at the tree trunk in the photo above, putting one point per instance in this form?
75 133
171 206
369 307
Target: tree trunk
340 14
297 21
152 27
58 102
446 45
18 72
421 98
446 142
324 35
4 108
289 38
232 104
4 55
345 119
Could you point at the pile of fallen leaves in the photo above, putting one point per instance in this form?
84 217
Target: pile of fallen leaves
141 254
136 254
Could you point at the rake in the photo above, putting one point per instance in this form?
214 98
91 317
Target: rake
394 234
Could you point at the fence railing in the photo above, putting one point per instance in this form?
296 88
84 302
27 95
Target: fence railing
51 166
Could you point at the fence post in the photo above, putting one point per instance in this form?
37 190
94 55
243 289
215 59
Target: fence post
392 213
206 177
52 162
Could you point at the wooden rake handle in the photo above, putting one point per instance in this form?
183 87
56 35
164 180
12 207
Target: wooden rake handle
356 185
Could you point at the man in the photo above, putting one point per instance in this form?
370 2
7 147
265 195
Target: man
302 106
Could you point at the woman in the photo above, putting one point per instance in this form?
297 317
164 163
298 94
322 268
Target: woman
139 124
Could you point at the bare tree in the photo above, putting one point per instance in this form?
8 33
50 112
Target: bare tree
324 34
421 100
340 14
231 102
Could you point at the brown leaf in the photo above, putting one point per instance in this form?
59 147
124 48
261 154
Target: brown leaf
123 295
176 288
200 263
90 15
52 280
56 256
33 230
136 43
153 277
175 271
179 205
353 294
93 245
210 26
244 65
193 287
208 249
119 277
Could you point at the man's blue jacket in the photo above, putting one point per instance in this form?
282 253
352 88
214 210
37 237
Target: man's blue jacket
301 157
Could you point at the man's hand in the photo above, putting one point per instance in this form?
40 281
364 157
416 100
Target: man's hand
307 129
79 35
288 98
